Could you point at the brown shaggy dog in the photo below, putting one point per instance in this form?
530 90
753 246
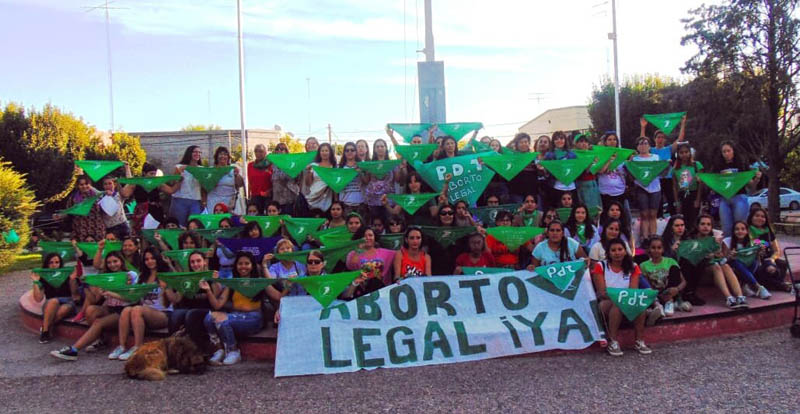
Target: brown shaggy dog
153 360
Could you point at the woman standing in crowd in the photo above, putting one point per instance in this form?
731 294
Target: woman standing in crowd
526 182
665 153
611 183
560 151
648 197
686 185
111 204
736 208
190 198
285 189
588 192
259 179
411 260
227 187
319 194
353 194
147 202
376 188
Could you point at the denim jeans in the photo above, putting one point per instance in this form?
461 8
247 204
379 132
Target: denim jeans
182 208
589 193
192 321
242 323
745 274
731 211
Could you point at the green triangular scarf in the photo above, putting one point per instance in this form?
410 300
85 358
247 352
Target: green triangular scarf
604 153
336 178
756 233
567 171
594 211
213 234
509 165
170 237
107 280
326 288
269 224
292 164
391 241
476 146
411 202
299 256
563 214
150 183
408 131
513 237
333 232
469 270
208 177
262 165
185 283
665 122
300 228
727 185
81 209
469 181
210 221
54 277
581 230
747 255
182 256
415 152
458 130
379 168
694 250
646 171
90 248
337 253
248 286
446 236
64 249
531 219
133 293
632 302
98 169
335 239
561 275
487 215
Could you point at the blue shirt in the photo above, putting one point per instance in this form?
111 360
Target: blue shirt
664 154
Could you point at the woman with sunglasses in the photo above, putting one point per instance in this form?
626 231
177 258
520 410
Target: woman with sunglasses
315 266
395 224
285 189
411 260
353 194
560 151
557 248
446 218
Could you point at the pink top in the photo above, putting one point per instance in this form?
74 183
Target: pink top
382 257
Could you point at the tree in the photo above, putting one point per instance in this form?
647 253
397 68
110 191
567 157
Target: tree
293 144
198 127
123 147
759 40
17 203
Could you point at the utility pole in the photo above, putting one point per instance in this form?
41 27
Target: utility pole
308 103
241 94
108 56
429 48
432 105
613 36
329 135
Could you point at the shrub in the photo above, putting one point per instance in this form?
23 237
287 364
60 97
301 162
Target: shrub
17 203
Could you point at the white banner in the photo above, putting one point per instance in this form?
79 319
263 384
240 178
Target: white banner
436 320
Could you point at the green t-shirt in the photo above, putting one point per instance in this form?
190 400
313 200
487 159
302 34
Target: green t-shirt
687 177
657 274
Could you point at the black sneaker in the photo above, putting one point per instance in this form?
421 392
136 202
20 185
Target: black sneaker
65 353
694 299
44 336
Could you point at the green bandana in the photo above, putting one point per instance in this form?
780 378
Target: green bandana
182 256
468 270
513 237
379 168
409 131
469 177
747 255
170 237
567 171
531 219
210 221
632 302
391 241
248 286
208 177
64 249
336 232
326 288
213 234
292 164
509 165
458 130
411 202
269 224
581 230
665 122
488 215
337 253
646 171
415 152
561 275
446 236
695 250
299 256
300 228
261 165
90 248
98 169
335 239
563 214
134 293
594 211
186 283
756 233
81 209
727 185
604 154
150 183
54 277
336 178
107 281
475 146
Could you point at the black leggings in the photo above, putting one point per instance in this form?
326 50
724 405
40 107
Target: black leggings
192 320
692 273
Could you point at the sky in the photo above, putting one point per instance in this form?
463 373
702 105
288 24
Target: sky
310 63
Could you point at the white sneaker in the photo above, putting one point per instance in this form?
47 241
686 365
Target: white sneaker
642 348
748 291
233 357
127 354
656 313
730 302
116 352
216 359
613 348
669 308
763 293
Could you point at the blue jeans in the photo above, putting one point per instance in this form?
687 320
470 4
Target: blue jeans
242 323
731 211
745 274
182 208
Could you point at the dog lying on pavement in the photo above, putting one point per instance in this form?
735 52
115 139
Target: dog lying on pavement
176 354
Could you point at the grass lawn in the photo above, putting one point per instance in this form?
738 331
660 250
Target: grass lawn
24 261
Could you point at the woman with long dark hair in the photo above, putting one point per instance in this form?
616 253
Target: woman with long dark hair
285 189
685 184
59 302
352 196
557 248
226 188
773 270
727 161
319 194
411 260
189 198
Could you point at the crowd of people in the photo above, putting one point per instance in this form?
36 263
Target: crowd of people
589 219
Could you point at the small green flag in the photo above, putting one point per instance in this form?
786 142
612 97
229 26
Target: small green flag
379 168
337 253
134 293
513 237
469 180
646 171
300 228
408 131
186 283
210 221
594 211
213 234
477 146
131 207
326 288
171 236
149 235
393 241
208 177
561 275
269 224
107 281
248 286
98 169
568 170
446 236
509 165
292 164
336 178
182 256
90 248
458 130
665 122
727 185
64 249
299 256
415 152
11 237
411 202
150 183
694 250
747 255
468 270
632 302
318 235
487 215
54 277
81 209
604 154
335 239
563 214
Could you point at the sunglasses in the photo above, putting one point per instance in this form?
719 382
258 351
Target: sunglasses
349 150
446 213
391 223
314 262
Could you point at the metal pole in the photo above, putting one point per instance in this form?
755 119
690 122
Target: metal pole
429 49
329 135
308 103
241 94
613 36
110 80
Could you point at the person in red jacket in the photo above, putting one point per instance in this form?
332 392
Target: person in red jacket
259 179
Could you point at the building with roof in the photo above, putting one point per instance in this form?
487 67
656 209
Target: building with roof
568 118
